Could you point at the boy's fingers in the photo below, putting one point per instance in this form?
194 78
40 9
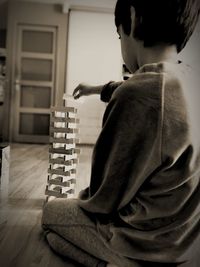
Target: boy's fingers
76 96
78 93
76 90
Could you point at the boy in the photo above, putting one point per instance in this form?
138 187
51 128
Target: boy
142 207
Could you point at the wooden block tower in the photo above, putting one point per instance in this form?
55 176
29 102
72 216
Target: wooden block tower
62 153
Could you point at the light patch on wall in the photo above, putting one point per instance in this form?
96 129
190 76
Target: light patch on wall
190 53
93 49
94 57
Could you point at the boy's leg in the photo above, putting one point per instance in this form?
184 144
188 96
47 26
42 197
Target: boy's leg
70 223
73 233
61 246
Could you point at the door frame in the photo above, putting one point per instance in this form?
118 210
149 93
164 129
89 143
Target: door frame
47 15
19 83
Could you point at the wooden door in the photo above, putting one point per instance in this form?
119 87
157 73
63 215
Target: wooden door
36 67
34 82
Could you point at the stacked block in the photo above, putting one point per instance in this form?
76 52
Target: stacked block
62 153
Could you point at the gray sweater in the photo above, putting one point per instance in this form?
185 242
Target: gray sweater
145 189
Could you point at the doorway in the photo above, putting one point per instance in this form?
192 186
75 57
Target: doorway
36 67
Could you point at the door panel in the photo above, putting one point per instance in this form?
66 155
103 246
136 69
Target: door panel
36 69
35 96
34 82
34 124
41 42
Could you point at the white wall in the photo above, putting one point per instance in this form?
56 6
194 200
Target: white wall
94 57
93 49
190 53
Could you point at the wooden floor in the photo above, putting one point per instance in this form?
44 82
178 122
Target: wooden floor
21 240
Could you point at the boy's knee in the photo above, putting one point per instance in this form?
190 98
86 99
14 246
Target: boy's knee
48 211
59 211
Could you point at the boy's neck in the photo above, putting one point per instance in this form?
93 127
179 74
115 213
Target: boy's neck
155 54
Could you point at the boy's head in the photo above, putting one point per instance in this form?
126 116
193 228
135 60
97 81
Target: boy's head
159 21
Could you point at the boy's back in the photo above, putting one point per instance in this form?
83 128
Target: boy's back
158 210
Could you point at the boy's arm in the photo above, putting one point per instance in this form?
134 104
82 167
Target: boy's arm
104 90
108 89
126 152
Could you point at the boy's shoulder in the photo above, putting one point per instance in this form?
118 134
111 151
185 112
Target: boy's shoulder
140 86
150 81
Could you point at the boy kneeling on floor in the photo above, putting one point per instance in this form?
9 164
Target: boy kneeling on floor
142 207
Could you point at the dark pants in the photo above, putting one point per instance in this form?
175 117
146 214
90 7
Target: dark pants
73 234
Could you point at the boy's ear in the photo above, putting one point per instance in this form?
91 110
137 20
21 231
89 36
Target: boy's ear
133 20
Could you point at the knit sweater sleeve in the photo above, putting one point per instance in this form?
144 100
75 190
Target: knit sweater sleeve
108 90
126 152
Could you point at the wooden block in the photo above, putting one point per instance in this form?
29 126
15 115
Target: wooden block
63 140
65 120
61 171
58 193
60 181
69 191
58 189
64 151
63 168
63 130
55 194
64 109
62 161
61 151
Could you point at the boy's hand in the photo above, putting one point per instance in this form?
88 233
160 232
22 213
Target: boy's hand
82 90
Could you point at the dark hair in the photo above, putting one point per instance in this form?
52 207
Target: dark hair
158 21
